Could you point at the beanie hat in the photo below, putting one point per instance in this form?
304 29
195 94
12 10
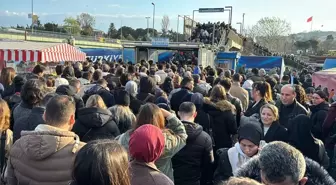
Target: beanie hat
146 143
251 132
122 97
322 95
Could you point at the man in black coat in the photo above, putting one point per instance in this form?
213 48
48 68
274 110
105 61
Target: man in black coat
193 164
187 85
288 106
279 163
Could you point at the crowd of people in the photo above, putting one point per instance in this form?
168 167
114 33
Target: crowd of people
164 124
205 32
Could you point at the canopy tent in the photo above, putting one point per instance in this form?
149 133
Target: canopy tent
325 78
329 63
39 52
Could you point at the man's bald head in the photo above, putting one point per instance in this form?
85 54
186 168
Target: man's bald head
288 94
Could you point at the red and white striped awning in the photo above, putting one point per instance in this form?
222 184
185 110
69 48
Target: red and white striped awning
52 53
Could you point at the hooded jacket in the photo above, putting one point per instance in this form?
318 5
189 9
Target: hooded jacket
101 91
315 173
43 157
193 164
175 140
319 113
95 123
224 124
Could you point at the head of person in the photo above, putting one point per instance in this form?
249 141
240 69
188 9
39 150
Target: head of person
60 112
271 81
147 85
76 84
301 96
7 76
285 78
188 82
255 71
4 115
319 97
33 92
108 164
262 72
50 81
269 113
261 90
196 78
124 78
122 98
18 82
187 112
46 99
160 66
146 143
97 75
197 99
167 85
226 83
87 75
68 72
240 181
95 101
38 70
218 93
237 78
150 114
132 88
309 92
282 164
105 68
120 71
249 137
59 69
227 74
288 94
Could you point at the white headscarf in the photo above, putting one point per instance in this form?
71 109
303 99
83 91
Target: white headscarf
132 88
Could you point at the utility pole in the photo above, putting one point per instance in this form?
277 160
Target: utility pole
153 18
32 16
147 25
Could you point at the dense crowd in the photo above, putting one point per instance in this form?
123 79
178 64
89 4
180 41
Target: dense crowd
207 32
164 124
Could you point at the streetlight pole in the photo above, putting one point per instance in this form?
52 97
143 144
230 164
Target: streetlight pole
147 25
32 16
153 18
178 22
193 17
240 27
230 16
243 26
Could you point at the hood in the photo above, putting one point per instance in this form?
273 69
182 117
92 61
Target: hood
222 105
193 130
39 145
316 174
147 143
94 117
320 107
94 89
66 90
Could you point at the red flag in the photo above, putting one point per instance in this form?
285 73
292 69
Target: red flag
310 19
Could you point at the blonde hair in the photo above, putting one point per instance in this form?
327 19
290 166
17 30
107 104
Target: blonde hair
273 108
218 93
4 115
95 101
241 181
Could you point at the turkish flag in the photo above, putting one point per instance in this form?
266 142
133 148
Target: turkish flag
310 19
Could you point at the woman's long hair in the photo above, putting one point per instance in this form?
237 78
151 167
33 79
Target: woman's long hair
101 162
150 114
218 93
95 101
301 95
4 115
265 90
123 116
7 76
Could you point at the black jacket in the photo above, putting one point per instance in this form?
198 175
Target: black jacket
28 123
255 109
315 173
285 115
319 114
179 97
135 105
95 123
224 170
223 122
276 132
102 92
193 164
145 97
203 119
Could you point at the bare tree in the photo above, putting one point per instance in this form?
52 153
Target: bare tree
86 22
165 24
270 32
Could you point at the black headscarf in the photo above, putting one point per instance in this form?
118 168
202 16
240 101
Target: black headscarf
301 137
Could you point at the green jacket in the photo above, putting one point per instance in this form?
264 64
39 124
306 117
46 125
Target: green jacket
174 142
